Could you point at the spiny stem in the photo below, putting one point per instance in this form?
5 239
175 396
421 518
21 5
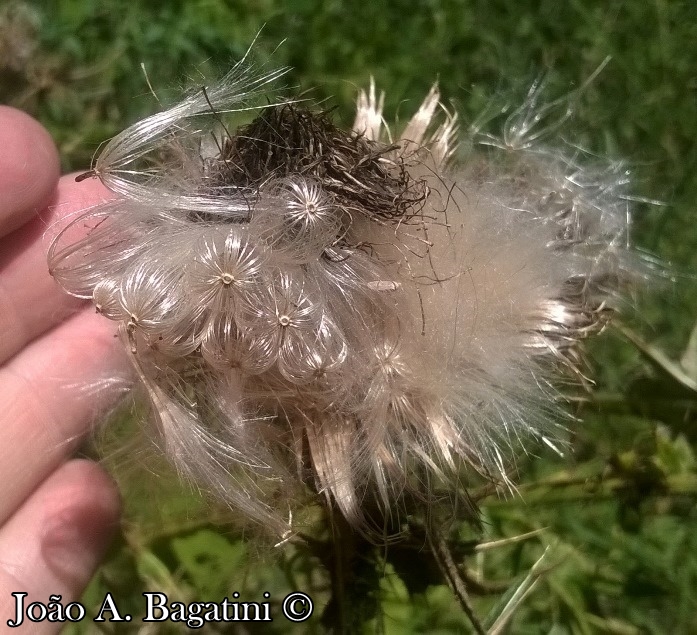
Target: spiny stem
447 565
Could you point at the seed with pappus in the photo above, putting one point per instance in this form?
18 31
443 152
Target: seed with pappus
351 312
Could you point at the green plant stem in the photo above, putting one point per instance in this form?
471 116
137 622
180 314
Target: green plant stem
554 491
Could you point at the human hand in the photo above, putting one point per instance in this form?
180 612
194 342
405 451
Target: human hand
57 515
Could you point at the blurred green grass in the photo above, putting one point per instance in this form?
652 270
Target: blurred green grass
619 510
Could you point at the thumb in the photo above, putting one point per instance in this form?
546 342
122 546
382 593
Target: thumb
54 542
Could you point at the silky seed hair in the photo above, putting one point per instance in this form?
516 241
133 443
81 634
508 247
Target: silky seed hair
348 313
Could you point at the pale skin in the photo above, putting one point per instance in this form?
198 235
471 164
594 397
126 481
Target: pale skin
57 514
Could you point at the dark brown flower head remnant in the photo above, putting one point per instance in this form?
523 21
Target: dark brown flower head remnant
291 141
316 309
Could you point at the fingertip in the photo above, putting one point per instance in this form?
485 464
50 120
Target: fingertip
81 520
48 410
29 168
55 541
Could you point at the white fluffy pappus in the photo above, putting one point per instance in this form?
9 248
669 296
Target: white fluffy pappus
317 309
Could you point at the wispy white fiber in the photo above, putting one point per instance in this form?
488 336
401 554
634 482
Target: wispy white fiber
179 130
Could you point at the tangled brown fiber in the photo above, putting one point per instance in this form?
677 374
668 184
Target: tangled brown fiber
364 176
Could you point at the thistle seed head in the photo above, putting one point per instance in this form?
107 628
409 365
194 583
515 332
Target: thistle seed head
307 305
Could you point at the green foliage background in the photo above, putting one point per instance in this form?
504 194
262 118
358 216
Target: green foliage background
619 511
